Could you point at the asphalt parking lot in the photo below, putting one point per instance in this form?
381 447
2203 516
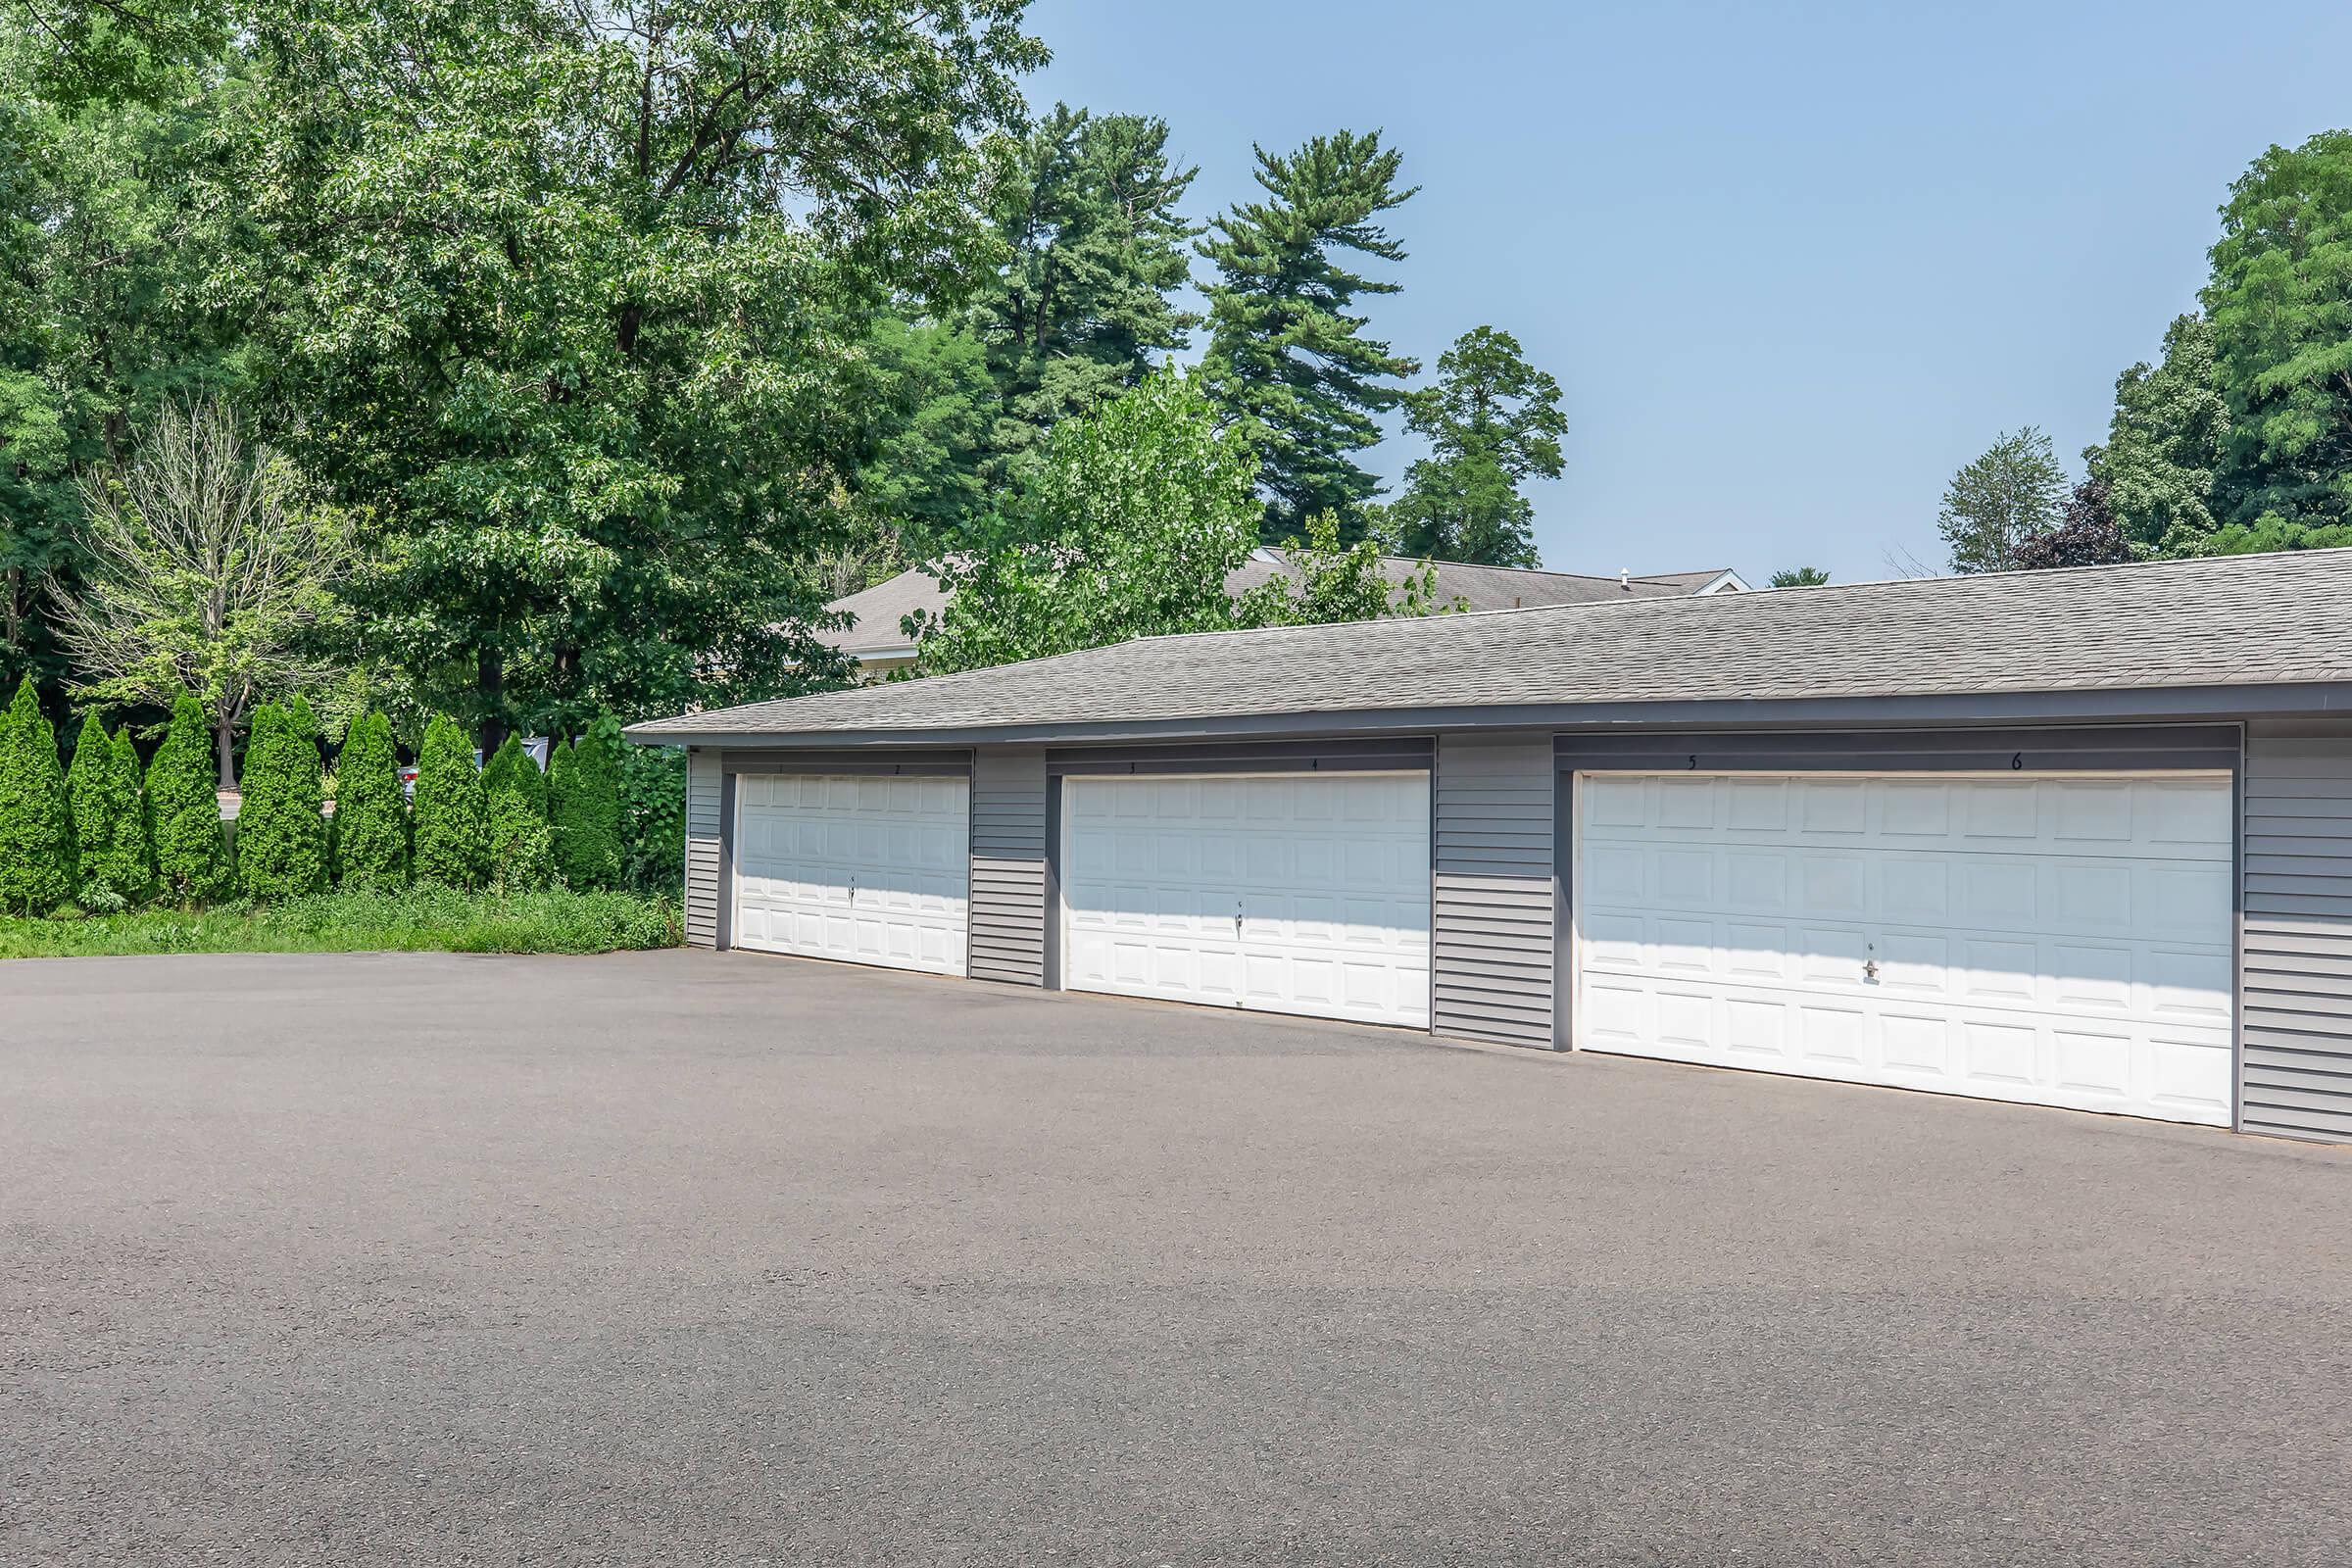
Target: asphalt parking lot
682 1257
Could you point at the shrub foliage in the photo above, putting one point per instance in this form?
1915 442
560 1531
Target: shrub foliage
36 834
282 833
190 851
450 821
584 800
109 837
372 820
511 768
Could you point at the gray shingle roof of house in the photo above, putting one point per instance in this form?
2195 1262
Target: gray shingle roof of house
2234 621
879 609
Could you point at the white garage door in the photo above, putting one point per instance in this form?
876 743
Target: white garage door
2064 940
874 870
1304 894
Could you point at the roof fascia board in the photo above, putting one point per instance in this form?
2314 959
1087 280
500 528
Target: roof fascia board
2222 703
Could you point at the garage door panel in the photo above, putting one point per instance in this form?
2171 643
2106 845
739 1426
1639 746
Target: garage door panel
1960 939
871 870
1296 894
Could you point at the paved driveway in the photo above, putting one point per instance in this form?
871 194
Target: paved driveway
672 1257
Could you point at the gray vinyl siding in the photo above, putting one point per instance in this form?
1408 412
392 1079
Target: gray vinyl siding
2295 1057
705 826
1493 926
1008 909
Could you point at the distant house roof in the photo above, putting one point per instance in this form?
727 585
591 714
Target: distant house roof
881 609
2233 622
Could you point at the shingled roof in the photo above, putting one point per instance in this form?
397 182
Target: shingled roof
2232 622
877 613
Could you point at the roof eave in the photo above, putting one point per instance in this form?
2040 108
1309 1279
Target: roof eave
2161 703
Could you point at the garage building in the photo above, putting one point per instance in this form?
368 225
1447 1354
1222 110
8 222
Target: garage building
2073 838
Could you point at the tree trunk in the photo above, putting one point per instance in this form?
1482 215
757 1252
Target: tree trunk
490 680
225 743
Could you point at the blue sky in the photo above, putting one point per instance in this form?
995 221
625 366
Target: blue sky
1793 263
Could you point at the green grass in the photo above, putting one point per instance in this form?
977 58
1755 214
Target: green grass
357 920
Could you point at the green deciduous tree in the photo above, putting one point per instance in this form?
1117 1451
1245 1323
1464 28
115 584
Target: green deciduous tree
182 807
1129 527
2281 303
109 836
579 293
1329 581
1085 206
1288 363
281 850
584 804
207 573
450 834
2166 445
2013 493
1799 577
372 820
36 831
1493 423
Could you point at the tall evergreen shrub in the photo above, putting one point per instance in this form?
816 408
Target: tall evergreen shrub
138 827
190 851
511 768
372 820
450 821
109 842
584 802
37 833
522 857
282 831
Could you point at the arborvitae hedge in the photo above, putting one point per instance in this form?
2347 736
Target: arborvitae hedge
190 856
511 769
584 802
282 833
36 835
449 826
138 827
371 820
523 856
110 839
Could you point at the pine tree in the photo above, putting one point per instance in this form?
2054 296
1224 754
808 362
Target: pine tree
585 805
449 824
36 831
1287 362
191 850
512 767
281 828
1085 205
372 820
110 851
135 842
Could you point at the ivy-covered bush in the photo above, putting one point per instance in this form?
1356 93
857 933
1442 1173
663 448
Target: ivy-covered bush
653 818
110 839
281 830
37 833
584 803
511 768
372 820
191 850
449 826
